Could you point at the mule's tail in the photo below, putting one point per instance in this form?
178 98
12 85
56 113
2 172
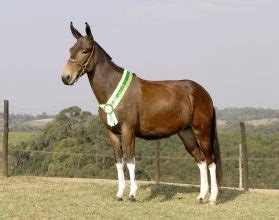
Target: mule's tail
216 150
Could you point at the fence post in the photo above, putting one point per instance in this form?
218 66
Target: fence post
240 167
158 174
103 164
244 157
5 137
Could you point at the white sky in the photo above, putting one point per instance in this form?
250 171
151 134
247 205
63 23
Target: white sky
229 47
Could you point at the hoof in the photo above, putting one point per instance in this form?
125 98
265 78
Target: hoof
119 199
199 201
213 203
132 199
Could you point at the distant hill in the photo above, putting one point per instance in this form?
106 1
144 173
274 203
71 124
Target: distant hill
38 123
26 122
247 113
226 118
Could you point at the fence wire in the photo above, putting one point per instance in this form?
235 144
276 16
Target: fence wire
102 165
150 157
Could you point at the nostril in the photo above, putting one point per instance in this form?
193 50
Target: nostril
66 78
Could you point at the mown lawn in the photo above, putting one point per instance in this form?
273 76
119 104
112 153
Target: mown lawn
36 197
15 138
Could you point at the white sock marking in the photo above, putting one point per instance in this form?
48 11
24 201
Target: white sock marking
133 188
121 179
204 180
214 187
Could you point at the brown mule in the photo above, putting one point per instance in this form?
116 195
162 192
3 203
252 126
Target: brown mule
149 110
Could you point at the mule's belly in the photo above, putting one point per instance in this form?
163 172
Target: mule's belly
155 134
162 124
164 111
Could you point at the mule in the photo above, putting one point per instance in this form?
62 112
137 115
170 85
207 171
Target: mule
149 110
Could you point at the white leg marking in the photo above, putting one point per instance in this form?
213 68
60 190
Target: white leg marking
121 179
214 187
133 189
204 180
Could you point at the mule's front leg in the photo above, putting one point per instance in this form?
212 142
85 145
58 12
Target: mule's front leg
121 180
133 187
129 141
118 153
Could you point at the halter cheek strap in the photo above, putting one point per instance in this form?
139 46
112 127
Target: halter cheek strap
84 66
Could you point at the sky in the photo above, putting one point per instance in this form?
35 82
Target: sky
231 47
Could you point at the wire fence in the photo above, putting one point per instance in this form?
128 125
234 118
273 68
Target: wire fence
102 165
174 166
139 157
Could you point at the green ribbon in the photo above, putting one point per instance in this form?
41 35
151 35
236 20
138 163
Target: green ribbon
116 97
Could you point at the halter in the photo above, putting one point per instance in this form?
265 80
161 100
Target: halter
83 66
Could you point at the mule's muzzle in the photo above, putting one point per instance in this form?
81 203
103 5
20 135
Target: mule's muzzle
66 78
70 74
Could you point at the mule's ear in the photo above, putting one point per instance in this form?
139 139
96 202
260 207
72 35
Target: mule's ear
88 31
75 33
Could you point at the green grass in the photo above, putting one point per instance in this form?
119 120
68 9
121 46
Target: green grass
36 197
15 138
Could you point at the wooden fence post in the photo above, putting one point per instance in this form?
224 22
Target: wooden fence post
158 174
5 137
244 157
103 164
240 166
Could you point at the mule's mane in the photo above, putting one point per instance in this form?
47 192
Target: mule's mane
102 49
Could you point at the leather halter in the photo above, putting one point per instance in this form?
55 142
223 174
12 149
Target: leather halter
83 66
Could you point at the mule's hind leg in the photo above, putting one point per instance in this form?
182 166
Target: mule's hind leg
191 145
203 134
118 153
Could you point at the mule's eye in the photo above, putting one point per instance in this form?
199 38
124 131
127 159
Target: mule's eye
85 51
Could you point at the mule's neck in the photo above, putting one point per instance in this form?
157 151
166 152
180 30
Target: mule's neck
105 75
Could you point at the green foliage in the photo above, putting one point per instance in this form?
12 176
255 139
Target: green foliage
75 144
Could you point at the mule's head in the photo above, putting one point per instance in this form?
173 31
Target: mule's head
81 55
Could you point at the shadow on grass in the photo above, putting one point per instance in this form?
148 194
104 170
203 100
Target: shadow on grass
227 195
167 192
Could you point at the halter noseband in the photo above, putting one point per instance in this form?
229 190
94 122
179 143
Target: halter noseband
83 66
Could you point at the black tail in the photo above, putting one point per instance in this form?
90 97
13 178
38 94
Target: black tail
216 150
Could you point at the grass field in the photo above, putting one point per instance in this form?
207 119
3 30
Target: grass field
37 197
15 138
